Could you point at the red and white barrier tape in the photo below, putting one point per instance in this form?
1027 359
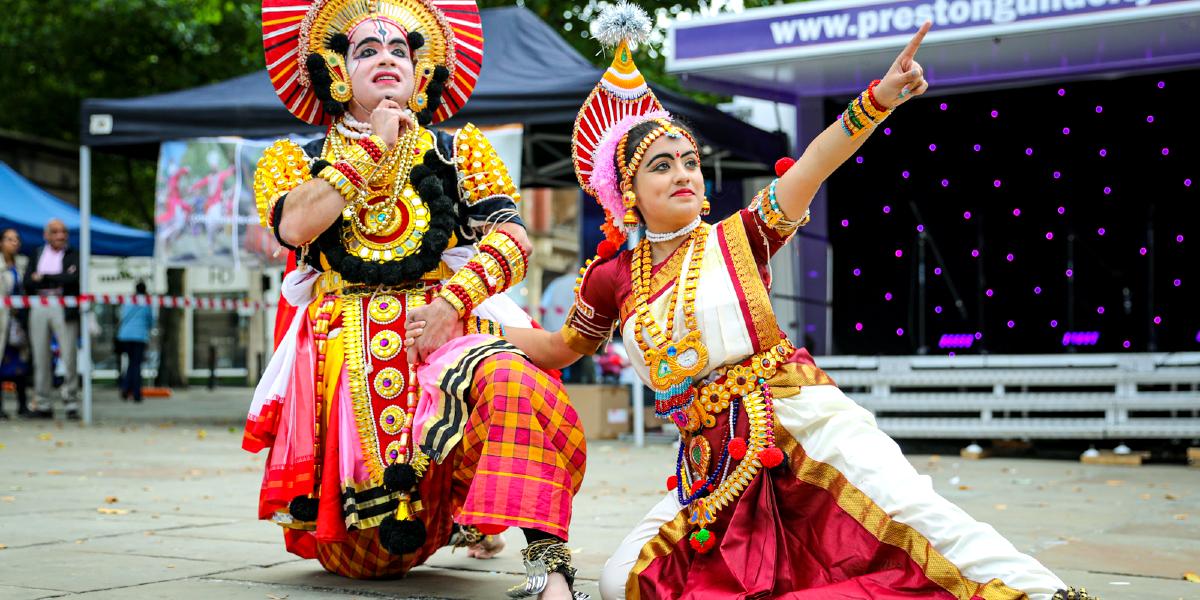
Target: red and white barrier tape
160 301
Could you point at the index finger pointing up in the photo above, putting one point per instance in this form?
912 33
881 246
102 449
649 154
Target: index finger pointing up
910 51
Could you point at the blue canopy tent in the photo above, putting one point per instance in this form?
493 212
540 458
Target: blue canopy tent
27 208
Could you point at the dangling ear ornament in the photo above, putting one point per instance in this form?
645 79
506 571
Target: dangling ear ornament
630 200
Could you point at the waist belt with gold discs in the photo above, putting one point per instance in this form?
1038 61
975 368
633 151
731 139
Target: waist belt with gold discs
742 390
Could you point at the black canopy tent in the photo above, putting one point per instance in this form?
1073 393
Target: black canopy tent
530 76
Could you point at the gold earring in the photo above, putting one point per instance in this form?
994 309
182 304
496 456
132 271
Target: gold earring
339 86
630 200
419 99
705 207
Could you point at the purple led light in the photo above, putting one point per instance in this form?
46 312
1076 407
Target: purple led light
1126 344
858 326
1057 174
1062 210
1009 258
956 340
920 228
1053 323
857 272
937 270
943 106
1016 212
1142 250
996 183
887 296
933 147
995 113
1070 272
1011 324
1166 151
887 131
978 147
938 309
979 335
1103 152
1066 131
1037 290
1080 338
887 209
1107 190
1100 231
1162 84
904 174
1187 182
1149 118
1099 310
1029 152
899 253
967 215
1177 282
945 183
1062 92
899 331
974 253
1049 235
1099 109
1179 238
845 222
990 292
1157 320
858 160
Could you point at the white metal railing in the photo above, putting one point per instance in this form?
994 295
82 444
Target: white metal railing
1059 396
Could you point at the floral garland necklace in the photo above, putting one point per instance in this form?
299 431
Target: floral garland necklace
673 365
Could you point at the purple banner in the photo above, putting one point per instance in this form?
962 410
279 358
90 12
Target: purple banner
857 23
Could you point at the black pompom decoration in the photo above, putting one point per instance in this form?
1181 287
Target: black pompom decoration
415 41
304 508
339 43
399 477
401 537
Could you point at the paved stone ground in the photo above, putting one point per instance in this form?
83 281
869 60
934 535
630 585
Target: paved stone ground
158 501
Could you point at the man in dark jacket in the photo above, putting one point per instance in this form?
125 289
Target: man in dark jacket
54 272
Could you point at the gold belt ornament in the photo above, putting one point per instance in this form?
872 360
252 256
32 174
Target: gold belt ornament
733 381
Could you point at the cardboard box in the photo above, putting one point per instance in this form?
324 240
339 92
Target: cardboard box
604 410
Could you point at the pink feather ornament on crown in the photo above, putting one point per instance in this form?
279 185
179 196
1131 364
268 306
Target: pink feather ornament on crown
620 101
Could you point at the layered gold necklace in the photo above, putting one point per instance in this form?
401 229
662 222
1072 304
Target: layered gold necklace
673 365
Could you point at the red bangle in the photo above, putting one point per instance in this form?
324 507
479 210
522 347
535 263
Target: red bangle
348 170
462 295
478 269
373 150
495 253
520 249
871 95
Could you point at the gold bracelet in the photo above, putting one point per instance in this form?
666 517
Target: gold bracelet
454 301
340 183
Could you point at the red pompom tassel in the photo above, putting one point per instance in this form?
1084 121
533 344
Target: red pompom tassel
702 541
606 249
737 448
782 165
771 457
672 482
697 486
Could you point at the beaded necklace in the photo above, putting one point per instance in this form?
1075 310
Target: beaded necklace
382 217
672 365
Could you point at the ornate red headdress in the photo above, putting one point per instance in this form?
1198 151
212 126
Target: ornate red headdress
299 35
619 102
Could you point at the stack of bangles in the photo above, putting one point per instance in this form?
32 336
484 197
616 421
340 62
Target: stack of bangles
773 216
863 113
500 264
345 175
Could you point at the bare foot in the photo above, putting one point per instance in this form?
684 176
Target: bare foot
488 548
556 588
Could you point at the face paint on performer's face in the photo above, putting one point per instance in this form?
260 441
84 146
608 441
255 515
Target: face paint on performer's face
669 184
380 63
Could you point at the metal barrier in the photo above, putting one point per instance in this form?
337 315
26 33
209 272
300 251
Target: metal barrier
1067 396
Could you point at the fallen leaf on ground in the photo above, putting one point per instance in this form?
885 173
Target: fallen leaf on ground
112 511
201 434
1171 497
2 546
1192 577
110 500
964 487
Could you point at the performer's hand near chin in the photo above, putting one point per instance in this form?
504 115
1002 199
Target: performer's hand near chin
389 120
430 327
